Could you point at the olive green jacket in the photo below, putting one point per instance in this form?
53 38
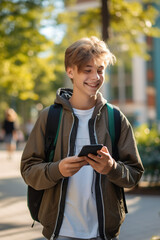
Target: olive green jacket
42 175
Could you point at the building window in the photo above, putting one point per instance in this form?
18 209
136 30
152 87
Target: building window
121 84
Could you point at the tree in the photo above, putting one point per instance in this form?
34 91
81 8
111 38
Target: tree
121 22
105 19
26 55
21 44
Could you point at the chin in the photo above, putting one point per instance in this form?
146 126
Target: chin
94 94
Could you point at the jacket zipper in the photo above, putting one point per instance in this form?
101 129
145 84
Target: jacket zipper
59 204
105 237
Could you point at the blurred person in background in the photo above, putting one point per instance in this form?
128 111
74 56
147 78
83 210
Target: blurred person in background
28 128
9 131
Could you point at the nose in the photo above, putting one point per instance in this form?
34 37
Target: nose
96 75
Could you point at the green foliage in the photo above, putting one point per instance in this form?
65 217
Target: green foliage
79 25
21 44
129 20
146 136
148 141
27 72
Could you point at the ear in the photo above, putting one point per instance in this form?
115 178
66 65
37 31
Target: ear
69 72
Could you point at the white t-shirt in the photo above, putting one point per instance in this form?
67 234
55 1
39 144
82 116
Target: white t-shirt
80 214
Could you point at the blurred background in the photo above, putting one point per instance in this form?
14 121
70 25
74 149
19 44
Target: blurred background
34 35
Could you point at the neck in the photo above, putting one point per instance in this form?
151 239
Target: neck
84 104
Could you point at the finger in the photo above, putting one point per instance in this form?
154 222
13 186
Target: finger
80 159
93 157
75 168
90 161
79 164
75 159
71 168
93 160
104 149
102 154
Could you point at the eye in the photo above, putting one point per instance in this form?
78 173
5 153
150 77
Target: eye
100 71
87 71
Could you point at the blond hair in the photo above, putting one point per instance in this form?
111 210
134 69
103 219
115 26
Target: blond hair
85 50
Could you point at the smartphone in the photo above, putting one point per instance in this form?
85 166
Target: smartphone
93 148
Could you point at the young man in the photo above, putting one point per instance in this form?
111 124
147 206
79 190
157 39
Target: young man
83 195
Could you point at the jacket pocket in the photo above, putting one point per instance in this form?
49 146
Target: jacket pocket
114 207
120 203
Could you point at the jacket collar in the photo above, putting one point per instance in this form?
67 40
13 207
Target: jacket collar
63 95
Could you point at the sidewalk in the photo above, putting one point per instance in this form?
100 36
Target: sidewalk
142 222
15 221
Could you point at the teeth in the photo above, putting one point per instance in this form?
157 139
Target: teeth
91 85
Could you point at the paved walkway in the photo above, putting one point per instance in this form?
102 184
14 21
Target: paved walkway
142 222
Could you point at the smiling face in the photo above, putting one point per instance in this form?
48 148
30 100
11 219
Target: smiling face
87 81
85 63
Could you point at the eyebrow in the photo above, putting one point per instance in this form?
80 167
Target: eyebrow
92 66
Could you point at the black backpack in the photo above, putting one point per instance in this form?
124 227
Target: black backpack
34 197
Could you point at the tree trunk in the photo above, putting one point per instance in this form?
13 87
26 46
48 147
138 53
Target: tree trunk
105 20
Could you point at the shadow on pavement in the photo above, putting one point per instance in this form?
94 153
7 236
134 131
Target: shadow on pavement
17 232
7 226
12 187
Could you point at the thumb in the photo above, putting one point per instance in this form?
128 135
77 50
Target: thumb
104 149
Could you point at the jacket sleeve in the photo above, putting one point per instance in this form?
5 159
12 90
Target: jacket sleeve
129 169
35 171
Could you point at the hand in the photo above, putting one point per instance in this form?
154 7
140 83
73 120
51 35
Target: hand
71 165
103 162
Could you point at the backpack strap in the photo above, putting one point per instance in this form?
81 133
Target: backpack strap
114 127
52 130
111 124
114 124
